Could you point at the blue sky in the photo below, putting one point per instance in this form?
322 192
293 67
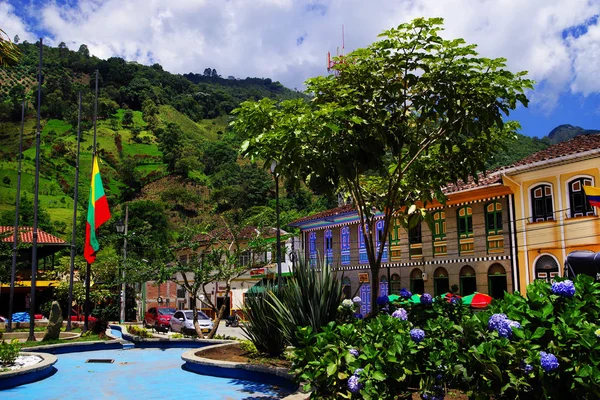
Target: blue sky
287 40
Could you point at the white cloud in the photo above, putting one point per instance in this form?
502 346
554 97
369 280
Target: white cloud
260 37
12 24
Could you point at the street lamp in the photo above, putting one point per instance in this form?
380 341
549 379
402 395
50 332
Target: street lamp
276 176
122 229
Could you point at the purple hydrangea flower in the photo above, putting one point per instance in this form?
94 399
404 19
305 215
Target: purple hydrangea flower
405 293
357 300
564 288
354 384
382 300
426 299
354 352
548 361
417 335
357 371
501 324
400 314
455 300
526 367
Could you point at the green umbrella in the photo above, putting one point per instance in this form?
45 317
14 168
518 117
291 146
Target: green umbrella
393 297
477 300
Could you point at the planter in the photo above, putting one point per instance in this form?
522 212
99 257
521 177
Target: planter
32 373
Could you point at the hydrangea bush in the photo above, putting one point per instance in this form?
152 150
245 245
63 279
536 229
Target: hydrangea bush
544 345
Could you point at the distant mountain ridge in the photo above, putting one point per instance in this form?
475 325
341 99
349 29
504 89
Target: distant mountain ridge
565 132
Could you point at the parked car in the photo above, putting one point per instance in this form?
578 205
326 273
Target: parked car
183 321
159 318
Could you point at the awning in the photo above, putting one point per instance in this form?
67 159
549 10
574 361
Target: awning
28 284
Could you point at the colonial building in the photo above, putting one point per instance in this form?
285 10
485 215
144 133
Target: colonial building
553 216
516 224
467 248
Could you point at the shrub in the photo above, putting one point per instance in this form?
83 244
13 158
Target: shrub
141 332
9 351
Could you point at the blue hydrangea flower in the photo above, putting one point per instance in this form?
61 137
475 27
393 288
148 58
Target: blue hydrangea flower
400 314
455 300
358 315
564 288
347 303
404 293
501 324
357 300
382 300
548 361
527 368
354 384
426 299
354 352
357 371
417 335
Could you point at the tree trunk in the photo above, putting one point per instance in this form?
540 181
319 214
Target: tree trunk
375 288
195 312
218 318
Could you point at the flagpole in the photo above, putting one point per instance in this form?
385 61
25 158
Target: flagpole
34 240
75 199
87 269
16 232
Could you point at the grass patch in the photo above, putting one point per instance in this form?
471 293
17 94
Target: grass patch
87 338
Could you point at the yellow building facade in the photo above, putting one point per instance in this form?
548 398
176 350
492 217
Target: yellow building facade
552 215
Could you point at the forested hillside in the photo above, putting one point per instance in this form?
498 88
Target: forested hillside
161 137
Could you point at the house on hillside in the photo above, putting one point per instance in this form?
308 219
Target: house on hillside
48 245
552 214
469 247
261 267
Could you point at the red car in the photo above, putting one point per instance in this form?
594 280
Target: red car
158 318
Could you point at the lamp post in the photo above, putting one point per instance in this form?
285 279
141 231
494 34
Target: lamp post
122 228
276 176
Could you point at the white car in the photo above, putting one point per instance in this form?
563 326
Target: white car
183 321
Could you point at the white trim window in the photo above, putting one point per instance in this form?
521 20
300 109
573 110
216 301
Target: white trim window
542 208
578 203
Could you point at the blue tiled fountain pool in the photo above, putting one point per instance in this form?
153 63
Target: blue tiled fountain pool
150 373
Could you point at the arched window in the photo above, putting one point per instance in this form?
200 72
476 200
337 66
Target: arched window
541 203
395 253
497 281
441 282
396 285
312 248
345 245
328 247
379 229
493 227
362 249
416 281
468 281
439 234
347 288
546 268
415 238
578 202
466 243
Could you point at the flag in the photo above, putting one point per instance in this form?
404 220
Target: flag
98 213
593 195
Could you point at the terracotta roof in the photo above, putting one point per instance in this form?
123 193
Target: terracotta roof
484 180
327 213
26 235
578 144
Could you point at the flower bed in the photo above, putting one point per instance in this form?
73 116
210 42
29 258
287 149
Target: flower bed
545 345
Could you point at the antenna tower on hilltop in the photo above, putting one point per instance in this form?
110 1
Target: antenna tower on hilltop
331 63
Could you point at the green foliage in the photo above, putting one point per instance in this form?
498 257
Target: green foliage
137 331
9 351
248 347
460 351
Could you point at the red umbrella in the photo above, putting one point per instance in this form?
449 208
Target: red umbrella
477 300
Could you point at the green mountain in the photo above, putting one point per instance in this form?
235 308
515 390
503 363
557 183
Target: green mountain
566 132
156 130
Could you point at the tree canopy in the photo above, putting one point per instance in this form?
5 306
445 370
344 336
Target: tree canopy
396 122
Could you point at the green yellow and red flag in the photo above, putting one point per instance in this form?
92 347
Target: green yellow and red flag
98 213
593 195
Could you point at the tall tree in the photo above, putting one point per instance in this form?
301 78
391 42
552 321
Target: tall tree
397 122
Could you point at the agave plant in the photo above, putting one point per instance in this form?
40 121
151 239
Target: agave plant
9 52
311 297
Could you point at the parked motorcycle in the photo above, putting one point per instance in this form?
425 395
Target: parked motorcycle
232 320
